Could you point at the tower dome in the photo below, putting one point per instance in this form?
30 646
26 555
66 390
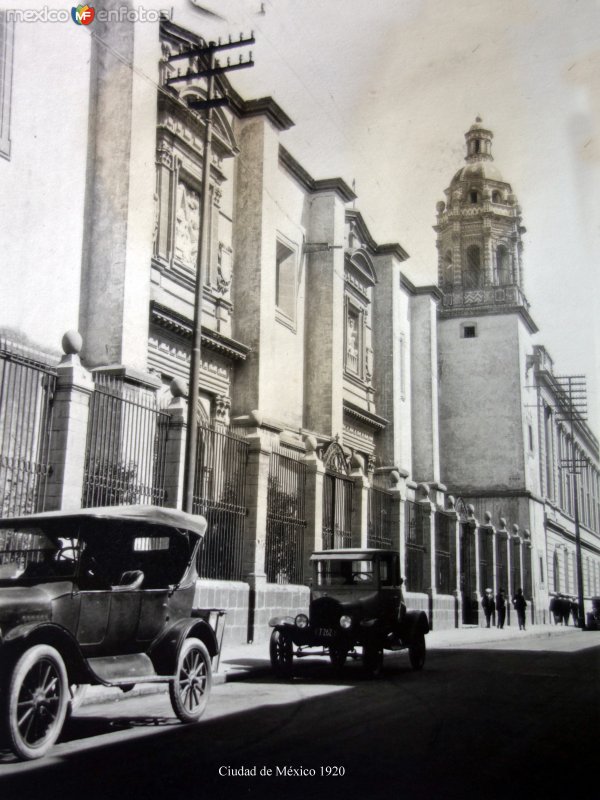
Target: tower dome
479 232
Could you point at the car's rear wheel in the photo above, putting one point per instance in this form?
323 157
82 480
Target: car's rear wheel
338 656
372 659
190 689
281 651
417 651
36 703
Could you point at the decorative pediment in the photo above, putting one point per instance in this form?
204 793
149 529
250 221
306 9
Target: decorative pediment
334 459
359 265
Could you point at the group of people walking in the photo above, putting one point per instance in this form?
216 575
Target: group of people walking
497 606
562 607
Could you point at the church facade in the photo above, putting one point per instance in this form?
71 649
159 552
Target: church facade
340 404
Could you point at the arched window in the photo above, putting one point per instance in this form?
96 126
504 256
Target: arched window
472 274
556 572
473 196
502 265
496 197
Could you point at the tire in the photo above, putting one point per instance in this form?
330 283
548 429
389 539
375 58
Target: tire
281 652
372 659
190 689
338 656
417 651
36 705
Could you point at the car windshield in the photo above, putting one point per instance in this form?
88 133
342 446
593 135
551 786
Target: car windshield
358 572
31 553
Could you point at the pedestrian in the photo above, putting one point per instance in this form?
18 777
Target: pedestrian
501 608
565 609
575 611
555 609
520 605
488 605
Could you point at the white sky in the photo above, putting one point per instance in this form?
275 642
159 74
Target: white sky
382 91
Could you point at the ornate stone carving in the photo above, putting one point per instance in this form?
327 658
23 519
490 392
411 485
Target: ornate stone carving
224 268
187 225
164 156
222 408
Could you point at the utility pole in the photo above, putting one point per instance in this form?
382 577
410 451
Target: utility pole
572 408
210 68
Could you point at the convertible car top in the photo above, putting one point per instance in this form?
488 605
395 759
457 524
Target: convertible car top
150 515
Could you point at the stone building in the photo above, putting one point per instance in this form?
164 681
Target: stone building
333 410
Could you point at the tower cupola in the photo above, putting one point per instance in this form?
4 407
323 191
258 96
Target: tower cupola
479 234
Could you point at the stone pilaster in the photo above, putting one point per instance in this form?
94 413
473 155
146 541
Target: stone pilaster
68 439
257 485
313 539
360 504
175 445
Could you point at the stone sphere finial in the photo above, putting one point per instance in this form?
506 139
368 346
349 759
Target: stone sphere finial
256 418
470 510
502 522
515 528
440 206
178 387
451 502
394 477
357 462
487 517
423 491
72 343
311 444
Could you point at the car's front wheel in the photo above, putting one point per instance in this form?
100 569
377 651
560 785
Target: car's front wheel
281 651
36 702
417 651
190 689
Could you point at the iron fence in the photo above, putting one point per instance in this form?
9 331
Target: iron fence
126 446
27 385
445 549
286 519
337 511
379 531
486 561
415 542
220 496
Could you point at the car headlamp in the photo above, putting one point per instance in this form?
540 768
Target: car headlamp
301 621
345 621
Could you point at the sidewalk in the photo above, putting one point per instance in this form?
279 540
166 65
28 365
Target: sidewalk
245 661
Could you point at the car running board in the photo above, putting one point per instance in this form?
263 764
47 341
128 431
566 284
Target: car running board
122 670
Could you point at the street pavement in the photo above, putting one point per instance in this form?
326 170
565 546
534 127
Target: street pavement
246 661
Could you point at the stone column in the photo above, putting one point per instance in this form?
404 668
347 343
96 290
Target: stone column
313 539
257 484
68 438
428 518
475 584
175 446
454 523
360 503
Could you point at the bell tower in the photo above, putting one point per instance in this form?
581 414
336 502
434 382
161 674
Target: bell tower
479 230
484 333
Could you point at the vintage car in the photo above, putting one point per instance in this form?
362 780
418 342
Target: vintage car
356 600
98 596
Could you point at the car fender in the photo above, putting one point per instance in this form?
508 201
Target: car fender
29 634
164 651
282 622
414 622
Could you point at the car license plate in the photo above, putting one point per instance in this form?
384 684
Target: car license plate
324 631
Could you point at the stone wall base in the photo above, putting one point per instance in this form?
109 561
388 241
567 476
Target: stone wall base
272 600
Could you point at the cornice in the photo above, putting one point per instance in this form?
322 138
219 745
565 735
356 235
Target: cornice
366 417
337 185
176 323
431 289
487 311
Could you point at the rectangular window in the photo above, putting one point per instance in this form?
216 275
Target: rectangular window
7 29
468 331
530 431
285 281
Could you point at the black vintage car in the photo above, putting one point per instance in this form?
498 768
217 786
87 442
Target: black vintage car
356 600
98 596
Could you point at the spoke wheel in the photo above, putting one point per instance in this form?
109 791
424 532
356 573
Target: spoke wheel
372 659
190 689
38 693
416 652
281 651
